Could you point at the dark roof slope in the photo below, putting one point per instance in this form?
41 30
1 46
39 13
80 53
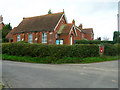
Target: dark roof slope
9 35
65 29
39 23
88 30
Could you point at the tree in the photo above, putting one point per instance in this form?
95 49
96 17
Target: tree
6 29
7 26
105 38
49 12
116 37
99 38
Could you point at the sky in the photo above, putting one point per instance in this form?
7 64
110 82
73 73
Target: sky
101 15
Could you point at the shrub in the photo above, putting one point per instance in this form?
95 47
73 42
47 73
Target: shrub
22 42
110 50
93 42
54 52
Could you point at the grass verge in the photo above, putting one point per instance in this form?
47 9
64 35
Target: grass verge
48 60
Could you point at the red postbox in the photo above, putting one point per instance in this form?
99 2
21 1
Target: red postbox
101 49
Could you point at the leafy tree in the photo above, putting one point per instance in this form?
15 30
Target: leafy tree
49 12
6 29
116 37
7 26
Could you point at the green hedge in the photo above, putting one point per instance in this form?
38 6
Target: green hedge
111 50
93 42
53 51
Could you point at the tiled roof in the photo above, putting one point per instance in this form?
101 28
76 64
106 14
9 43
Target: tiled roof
9 35
39 23
87 30
65 29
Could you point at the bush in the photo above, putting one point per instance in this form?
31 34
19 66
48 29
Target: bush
22 42
5 40
93 42
110 50
54 52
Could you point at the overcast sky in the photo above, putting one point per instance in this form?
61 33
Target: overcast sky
101 15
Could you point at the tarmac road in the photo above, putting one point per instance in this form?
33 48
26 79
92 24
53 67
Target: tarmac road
29 75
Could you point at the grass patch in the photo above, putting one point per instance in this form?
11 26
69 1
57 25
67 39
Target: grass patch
48 60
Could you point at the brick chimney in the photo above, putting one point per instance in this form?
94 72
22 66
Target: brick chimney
80 26
73 21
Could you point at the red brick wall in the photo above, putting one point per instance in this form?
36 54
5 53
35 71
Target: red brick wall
88 36
78 37
15 38
66 38
1 25
25 35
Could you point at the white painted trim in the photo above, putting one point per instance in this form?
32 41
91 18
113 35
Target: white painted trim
74 28
65 18
78 29
59 21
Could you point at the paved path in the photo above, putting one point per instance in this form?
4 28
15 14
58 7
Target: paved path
28 75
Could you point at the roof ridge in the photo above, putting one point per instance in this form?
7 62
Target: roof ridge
43 15
87 28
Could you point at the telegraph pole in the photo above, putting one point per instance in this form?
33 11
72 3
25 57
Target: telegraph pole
118 19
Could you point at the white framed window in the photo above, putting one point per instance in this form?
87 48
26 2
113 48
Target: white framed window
61 42
18 38
44 37
30 38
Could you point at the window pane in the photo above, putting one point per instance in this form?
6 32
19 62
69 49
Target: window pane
30 38
44 37
57 42
56 35
18 38
61 42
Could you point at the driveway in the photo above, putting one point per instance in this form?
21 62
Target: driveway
29 75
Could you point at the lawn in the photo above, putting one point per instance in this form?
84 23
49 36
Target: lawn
48 60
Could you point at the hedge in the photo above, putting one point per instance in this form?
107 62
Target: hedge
93 42
53 51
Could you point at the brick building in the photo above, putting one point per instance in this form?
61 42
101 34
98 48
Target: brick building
49 29
1 22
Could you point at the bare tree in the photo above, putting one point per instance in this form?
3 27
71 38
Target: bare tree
105 38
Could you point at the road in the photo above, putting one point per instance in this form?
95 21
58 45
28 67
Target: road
29 75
